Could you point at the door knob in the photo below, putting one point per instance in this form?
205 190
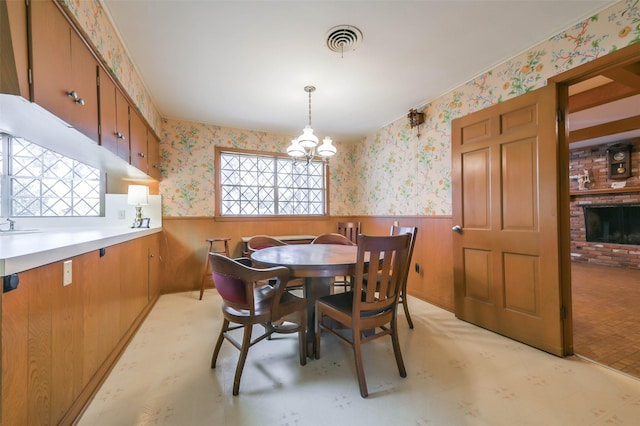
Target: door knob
457 229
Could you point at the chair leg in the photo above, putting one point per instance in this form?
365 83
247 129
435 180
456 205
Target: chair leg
216 351
246 343
405 306
302 337
318 330
357 354
396 349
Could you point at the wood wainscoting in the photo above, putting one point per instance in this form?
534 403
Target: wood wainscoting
184 248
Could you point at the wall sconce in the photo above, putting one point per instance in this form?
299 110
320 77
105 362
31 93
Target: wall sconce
138 195
415 119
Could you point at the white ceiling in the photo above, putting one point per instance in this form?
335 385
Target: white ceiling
244 64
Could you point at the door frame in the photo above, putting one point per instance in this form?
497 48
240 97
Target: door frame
626 55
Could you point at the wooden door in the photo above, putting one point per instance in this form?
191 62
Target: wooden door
505 203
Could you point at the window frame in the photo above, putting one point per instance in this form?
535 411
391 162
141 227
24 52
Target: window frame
6 188
218 186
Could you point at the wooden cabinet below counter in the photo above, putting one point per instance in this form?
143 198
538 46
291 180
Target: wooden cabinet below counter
60 341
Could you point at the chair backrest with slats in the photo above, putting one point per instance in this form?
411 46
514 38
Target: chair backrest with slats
413 231
390 254
350 230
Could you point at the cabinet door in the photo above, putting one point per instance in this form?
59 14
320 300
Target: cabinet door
40 282
84 76
51 59
64 70
15 353
153 145
114 117
134 281
67 337
154 265
138 132
14 49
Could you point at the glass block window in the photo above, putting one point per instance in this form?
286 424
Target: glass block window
40 182
270 185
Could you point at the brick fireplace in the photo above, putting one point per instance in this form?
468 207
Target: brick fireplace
599 193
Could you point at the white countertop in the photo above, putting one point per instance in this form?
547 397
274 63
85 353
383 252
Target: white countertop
24 251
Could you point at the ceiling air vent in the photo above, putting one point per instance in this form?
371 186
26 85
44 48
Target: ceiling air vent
343 38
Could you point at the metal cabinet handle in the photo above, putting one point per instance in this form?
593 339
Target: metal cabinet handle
119 135
74 95
457 229
141 154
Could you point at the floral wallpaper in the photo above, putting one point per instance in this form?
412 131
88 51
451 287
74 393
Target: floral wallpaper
390 172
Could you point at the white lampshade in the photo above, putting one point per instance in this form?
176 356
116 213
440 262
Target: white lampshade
295 149
326 149
138 195
307 139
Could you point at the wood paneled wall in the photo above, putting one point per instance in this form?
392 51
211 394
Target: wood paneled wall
184 248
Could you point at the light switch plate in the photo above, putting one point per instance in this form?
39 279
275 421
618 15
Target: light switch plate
66 272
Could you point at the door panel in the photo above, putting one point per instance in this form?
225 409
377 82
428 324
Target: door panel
519 191
476 176
477 267
505 185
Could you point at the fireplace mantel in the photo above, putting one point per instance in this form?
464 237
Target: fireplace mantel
586 192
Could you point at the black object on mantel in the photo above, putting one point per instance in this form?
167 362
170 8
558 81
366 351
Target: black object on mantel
10 282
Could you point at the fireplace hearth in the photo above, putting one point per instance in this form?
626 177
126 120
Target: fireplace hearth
618 224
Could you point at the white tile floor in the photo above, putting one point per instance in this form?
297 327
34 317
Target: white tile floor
458 374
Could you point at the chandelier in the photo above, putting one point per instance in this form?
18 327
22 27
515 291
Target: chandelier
306 145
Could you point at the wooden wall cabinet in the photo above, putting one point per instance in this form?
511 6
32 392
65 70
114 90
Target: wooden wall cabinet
114 117
58 342
45 59
153 161
138 131
64 71
14 49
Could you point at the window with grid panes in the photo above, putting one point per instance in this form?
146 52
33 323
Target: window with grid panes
39 182
269 185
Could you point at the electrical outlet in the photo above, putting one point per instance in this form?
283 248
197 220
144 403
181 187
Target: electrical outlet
66 272
122 214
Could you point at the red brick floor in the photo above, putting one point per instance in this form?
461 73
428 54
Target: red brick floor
606 316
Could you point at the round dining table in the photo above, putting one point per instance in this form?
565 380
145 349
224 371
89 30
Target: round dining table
317 264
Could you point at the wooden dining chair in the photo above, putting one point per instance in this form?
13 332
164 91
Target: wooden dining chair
246 303
369 309
349 230
339 239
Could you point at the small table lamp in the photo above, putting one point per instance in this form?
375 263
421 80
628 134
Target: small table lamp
138 195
